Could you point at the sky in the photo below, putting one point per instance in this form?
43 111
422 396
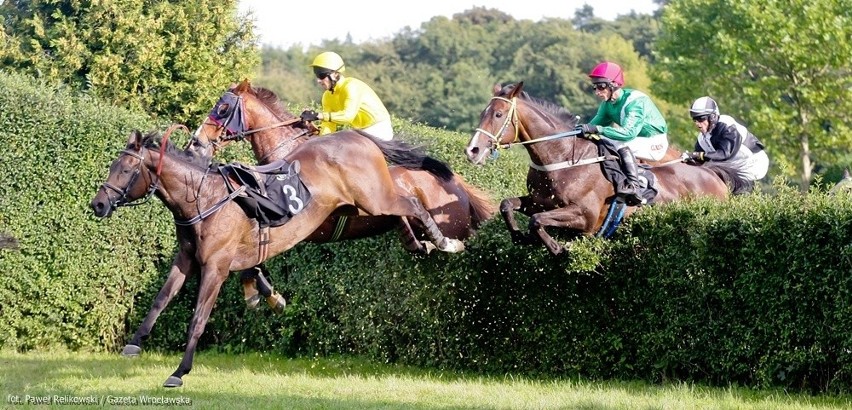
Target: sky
283 23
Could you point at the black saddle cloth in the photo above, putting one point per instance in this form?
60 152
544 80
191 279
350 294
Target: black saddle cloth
274 192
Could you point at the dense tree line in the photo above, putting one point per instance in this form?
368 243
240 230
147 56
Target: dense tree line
168 58
793 89
174 59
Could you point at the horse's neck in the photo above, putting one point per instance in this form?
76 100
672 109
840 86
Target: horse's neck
181 186
275 143
556 150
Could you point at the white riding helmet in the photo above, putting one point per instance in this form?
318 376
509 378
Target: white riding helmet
704 106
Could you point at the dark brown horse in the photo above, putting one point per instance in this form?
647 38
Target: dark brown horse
567 188
456 206
348 172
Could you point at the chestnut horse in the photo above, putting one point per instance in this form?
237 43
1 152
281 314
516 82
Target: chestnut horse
255 114
456 206
567 188
346 171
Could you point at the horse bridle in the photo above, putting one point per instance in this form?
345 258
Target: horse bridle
122 193
243 132
511 119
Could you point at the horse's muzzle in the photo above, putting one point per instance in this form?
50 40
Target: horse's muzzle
101 208
476 155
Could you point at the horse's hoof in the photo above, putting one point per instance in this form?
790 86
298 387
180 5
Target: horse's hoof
173 381
276 302
452 245
131 351
428 247
252 302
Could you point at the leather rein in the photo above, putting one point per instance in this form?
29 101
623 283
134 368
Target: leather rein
512 119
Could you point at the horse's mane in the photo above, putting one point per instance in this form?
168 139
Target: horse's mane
153 140
562 114
271 101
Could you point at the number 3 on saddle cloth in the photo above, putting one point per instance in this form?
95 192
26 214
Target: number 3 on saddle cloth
613 173
274 192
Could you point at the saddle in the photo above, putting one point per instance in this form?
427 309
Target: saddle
613 172
273 192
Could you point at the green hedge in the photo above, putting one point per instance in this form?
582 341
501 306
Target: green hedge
756 291
74 278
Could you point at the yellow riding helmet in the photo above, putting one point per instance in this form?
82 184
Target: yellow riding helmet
329 60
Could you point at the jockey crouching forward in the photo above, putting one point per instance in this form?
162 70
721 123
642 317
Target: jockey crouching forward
722 139
347 101
641 129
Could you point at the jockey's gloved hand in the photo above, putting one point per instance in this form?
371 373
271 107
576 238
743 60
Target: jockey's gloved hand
590 131
309 115
693 157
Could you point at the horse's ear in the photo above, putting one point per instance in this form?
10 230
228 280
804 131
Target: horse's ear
135 139
517 90
497 88
846 174
243 85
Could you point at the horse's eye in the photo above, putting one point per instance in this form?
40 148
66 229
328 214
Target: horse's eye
223 110
498 114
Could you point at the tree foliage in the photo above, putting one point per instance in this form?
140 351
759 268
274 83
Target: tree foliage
168 58
782 67
442 73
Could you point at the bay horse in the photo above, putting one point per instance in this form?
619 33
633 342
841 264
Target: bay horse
256 114
566 186
215 236
456 206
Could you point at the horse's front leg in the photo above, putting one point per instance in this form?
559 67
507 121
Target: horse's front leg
508 207
212 277
182 266
570 217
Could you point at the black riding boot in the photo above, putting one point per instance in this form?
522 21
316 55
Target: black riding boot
630 191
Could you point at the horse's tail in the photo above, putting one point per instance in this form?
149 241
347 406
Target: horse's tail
411 157
732 178
482 206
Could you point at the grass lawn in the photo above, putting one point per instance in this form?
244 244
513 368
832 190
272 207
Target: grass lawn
260 381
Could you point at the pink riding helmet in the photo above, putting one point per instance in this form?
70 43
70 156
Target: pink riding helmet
607 72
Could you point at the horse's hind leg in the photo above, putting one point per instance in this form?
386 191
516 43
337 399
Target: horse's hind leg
442 242
256 285
251 292
402 205
182 266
